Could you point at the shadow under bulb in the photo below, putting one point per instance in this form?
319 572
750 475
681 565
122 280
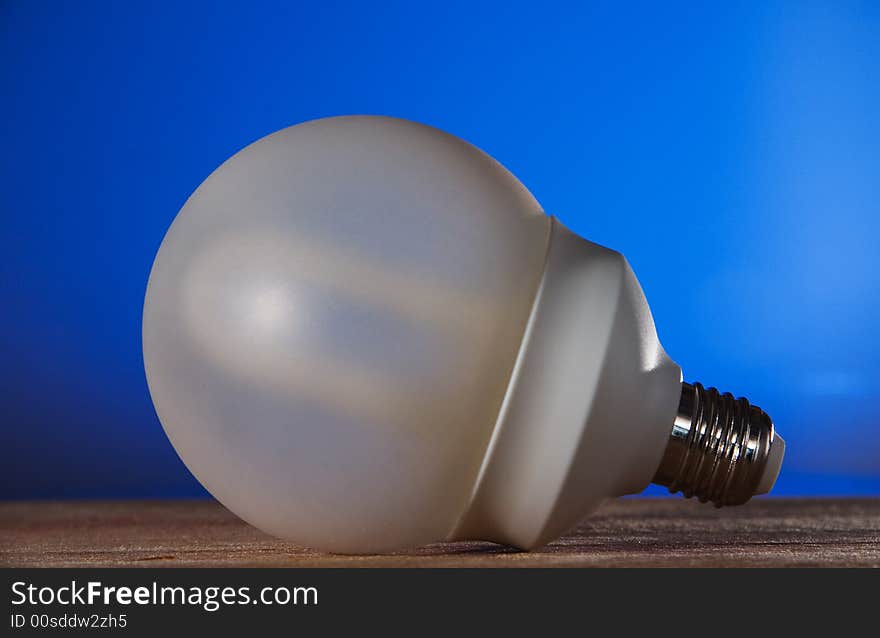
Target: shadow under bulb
363 334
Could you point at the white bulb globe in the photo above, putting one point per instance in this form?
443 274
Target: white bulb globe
331 323
363 334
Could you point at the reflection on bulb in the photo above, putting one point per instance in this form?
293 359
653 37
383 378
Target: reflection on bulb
270 310
363 334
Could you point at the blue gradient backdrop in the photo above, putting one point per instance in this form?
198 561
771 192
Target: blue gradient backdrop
732 153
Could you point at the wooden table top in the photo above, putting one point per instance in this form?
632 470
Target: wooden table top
624 533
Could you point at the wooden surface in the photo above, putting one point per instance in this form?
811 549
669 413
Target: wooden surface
625 533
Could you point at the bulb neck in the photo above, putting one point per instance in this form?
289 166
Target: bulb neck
720 449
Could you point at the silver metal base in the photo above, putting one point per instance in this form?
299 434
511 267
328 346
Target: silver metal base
718 447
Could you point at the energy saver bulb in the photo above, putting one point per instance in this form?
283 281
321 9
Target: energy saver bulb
363 334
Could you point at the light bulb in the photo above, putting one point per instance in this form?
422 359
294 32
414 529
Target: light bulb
363 334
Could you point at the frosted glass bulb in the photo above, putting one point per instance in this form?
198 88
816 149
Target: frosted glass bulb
363 334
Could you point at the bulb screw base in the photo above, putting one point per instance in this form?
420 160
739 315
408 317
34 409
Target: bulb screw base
721 449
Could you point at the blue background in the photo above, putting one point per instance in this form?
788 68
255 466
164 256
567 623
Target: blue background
732 153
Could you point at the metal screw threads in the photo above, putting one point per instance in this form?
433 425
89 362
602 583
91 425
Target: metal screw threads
718 448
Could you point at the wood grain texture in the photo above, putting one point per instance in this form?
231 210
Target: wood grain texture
624 533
